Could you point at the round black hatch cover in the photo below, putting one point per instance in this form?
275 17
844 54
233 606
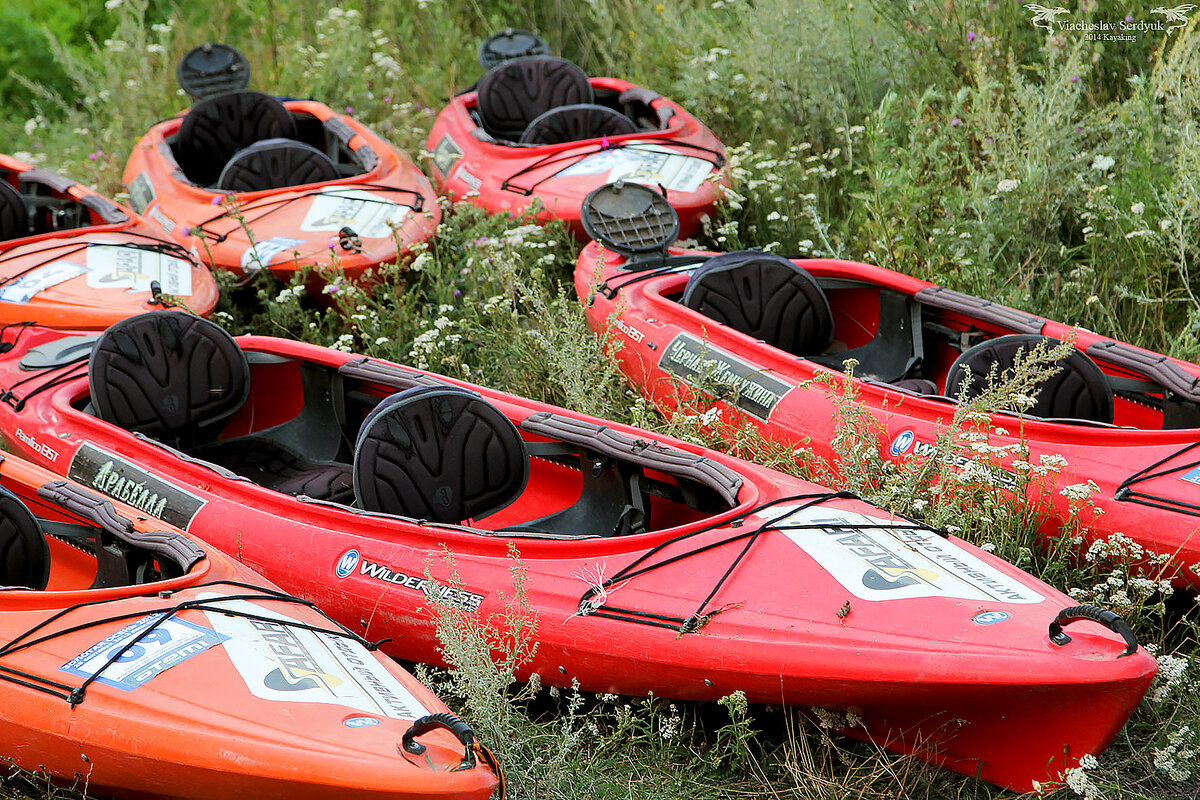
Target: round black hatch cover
629 218
211 69
511 43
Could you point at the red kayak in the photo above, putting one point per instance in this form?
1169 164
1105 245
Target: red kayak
137 662
1124 418
537 129
73 259
253 182
353 482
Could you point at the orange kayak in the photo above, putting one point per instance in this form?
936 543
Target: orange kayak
73 259
367 205
142 664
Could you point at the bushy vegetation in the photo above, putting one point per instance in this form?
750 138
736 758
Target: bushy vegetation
949 140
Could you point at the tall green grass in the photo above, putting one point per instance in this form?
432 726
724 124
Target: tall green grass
949 140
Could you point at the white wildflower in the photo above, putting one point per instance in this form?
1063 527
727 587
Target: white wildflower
1007 185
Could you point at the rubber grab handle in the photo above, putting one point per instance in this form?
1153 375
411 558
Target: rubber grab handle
1108 619
446 721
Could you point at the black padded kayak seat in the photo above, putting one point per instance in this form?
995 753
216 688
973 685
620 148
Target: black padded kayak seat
14 216
275 467
575 122
515 93
24 555
922 386
764 296
218 127
168 375
1078 390
438 453
273 164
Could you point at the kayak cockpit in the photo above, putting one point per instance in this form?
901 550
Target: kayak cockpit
381 439
36 202
77 541
913 337
935 343
544 100
249 141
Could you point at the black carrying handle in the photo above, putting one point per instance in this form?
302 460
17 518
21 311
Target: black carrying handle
1108 619
449 722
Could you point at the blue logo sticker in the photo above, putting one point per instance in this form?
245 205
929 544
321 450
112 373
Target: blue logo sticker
990 617
359 722
1191 476
347 564
143 649
903 441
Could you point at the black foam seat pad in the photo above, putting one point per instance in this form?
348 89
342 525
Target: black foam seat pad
273 164
517 92
438 453
273 466
24 554
764 296
168 375
577 121
218 127
1079 390
14 216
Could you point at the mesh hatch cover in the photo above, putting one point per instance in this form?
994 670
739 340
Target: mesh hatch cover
1078 390
212 69
629 218
764 296
168 375
516 92
438 453
273 164
218 127
511 43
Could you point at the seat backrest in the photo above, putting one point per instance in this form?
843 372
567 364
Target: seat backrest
574 122
273 164
218 127
14 216
438 453
1078 390
169 375
764 296
24 555
517 92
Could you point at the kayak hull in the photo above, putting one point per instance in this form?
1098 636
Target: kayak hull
647 319
86 278
390 207
685 158
808 612
209 684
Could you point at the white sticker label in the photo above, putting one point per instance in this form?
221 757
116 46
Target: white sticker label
369 214
895 560
289 664
259 256
114 266
647 164
25 287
